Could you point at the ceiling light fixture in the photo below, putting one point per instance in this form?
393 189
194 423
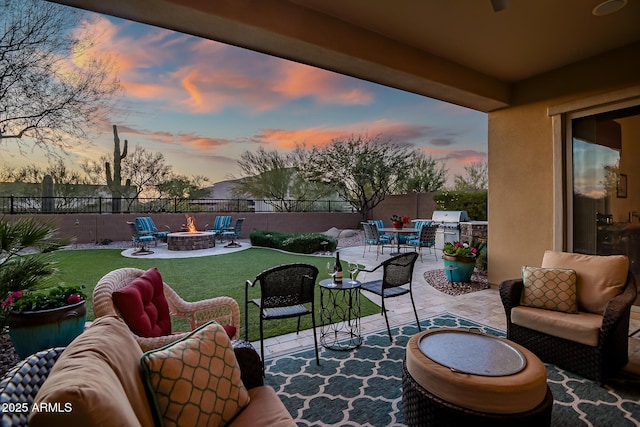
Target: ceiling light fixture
608 7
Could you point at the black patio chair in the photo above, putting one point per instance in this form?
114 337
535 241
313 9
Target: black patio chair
397 271
286 291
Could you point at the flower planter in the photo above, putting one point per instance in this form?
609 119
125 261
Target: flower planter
459 268
397 225
31 331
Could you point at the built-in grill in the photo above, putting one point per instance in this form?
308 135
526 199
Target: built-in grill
448 226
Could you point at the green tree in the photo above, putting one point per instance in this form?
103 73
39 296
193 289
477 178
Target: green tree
425 175
475 178
51 89
361 169
182 187
275 177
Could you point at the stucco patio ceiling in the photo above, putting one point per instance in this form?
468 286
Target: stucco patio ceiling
459 51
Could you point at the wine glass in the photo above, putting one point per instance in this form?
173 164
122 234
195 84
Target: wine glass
353 269
331 274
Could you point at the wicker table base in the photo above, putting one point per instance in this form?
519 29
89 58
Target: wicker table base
421 408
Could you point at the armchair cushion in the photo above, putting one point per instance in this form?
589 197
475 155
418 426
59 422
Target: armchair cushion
196 380
582 327
143 305
549 288
600 278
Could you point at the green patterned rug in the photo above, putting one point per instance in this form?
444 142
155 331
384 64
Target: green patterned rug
363 387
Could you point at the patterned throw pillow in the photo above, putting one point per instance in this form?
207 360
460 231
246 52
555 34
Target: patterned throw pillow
550 288
196 380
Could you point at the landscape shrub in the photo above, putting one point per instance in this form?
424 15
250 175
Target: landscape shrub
303 243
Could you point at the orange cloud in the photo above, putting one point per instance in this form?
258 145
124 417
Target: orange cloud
204 76
299 80
399 133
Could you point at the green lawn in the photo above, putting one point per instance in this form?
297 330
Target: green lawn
198 278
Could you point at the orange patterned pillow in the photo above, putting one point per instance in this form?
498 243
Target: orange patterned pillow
196 380
550 288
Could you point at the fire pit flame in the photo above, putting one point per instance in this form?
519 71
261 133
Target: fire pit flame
191 224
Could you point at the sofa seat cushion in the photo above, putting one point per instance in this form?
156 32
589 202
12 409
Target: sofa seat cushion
96 381
265 409
581 327
195 380
550 288
143 305
600 278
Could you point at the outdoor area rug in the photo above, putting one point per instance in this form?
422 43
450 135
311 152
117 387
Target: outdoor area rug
362 387
438 280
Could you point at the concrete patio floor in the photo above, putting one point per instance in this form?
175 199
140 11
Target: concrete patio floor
482 306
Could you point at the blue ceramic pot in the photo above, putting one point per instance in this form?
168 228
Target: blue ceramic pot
32 331
459 269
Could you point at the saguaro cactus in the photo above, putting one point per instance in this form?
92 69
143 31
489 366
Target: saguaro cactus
48 202
114 182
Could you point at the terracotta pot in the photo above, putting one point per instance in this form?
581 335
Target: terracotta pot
31 331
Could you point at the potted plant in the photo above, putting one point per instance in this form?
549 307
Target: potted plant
25 259
42 319
460 260
398 221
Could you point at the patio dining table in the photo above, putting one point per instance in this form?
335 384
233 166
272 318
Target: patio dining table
398 232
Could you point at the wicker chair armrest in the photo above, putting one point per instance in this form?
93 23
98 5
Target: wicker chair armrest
224 310
252 374
618 308
152 343
510 293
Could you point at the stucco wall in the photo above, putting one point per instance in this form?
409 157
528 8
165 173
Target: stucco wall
521 179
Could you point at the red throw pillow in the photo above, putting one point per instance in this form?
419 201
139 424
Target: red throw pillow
143 306
230 330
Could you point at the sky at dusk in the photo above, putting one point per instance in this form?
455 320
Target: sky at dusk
202 103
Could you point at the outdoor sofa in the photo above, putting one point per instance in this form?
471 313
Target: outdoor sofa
100 380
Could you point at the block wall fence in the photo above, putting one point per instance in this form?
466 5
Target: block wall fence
91 228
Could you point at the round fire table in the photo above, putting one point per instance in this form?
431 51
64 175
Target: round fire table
461 377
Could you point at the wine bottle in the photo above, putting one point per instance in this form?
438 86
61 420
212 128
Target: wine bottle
337 269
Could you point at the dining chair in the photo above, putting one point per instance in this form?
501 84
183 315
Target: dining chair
427 239
397 272
373 238
286 291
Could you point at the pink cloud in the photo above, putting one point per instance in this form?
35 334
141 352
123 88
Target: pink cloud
198 142
299 80
400 133
204 76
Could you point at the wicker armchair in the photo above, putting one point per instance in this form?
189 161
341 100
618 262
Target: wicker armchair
224 310
596 363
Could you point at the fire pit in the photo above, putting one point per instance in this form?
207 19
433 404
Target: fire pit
190 241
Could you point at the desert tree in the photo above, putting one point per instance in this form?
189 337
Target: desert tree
475 178
183 187
363 170
275 178
424 175
146 170
52 90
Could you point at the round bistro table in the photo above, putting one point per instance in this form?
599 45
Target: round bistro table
340 314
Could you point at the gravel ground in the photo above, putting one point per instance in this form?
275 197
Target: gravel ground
8 357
